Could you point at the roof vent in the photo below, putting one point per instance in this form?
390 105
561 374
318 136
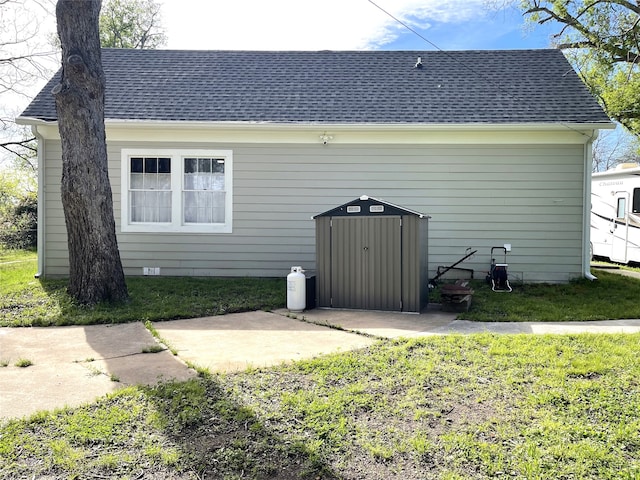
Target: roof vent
418 63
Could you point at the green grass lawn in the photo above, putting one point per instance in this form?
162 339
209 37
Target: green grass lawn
26 301
612 296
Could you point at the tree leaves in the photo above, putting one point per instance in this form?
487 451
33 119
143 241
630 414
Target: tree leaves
602 39
131 24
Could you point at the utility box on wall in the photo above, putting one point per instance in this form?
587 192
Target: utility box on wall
372 255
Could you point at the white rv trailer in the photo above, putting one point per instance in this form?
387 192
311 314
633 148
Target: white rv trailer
615 214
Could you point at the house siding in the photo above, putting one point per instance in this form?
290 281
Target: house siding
478 195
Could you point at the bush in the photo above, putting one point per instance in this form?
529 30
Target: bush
19 224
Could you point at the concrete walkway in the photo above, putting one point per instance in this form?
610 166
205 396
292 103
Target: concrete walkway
392 325
75 365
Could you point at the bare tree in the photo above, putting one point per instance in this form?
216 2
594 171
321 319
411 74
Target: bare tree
613 147
95 269
28 53
21 46
25 59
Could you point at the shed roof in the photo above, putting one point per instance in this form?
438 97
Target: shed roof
339 87
369 207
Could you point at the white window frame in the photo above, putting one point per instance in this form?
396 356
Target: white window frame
177 224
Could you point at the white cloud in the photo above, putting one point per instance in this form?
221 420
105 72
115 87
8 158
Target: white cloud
450 11
302 25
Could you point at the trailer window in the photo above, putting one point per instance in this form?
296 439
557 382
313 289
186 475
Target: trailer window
622 206
636 200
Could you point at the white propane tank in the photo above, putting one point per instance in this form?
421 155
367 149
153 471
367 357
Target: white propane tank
296 290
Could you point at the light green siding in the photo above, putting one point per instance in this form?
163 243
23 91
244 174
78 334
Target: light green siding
478 196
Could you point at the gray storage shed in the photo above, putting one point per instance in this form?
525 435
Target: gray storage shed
372 255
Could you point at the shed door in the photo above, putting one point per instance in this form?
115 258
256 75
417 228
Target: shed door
366 263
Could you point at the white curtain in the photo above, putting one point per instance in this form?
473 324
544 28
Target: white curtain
150 207
204 198
150 197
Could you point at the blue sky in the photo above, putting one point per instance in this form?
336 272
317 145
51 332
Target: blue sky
348 25
505 29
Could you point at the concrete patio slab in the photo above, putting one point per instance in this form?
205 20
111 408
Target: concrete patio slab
256 339
378 324
73 365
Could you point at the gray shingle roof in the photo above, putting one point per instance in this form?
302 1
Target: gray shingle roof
340 87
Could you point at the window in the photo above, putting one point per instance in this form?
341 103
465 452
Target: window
176 191
622 207
636 200
203 190
150 187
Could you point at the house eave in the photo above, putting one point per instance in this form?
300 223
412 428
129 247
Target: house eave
364 126
34 121
471 126
337 133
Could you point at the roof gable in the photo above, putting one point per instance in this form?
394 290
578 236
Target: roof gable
369 207
340 87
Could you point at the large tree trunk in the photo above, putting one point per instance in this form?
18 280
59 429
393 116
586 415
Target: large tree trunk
94 260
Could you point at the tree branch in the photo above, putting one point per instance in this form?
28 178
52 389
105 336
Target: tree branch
629 57
23 144
591 39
